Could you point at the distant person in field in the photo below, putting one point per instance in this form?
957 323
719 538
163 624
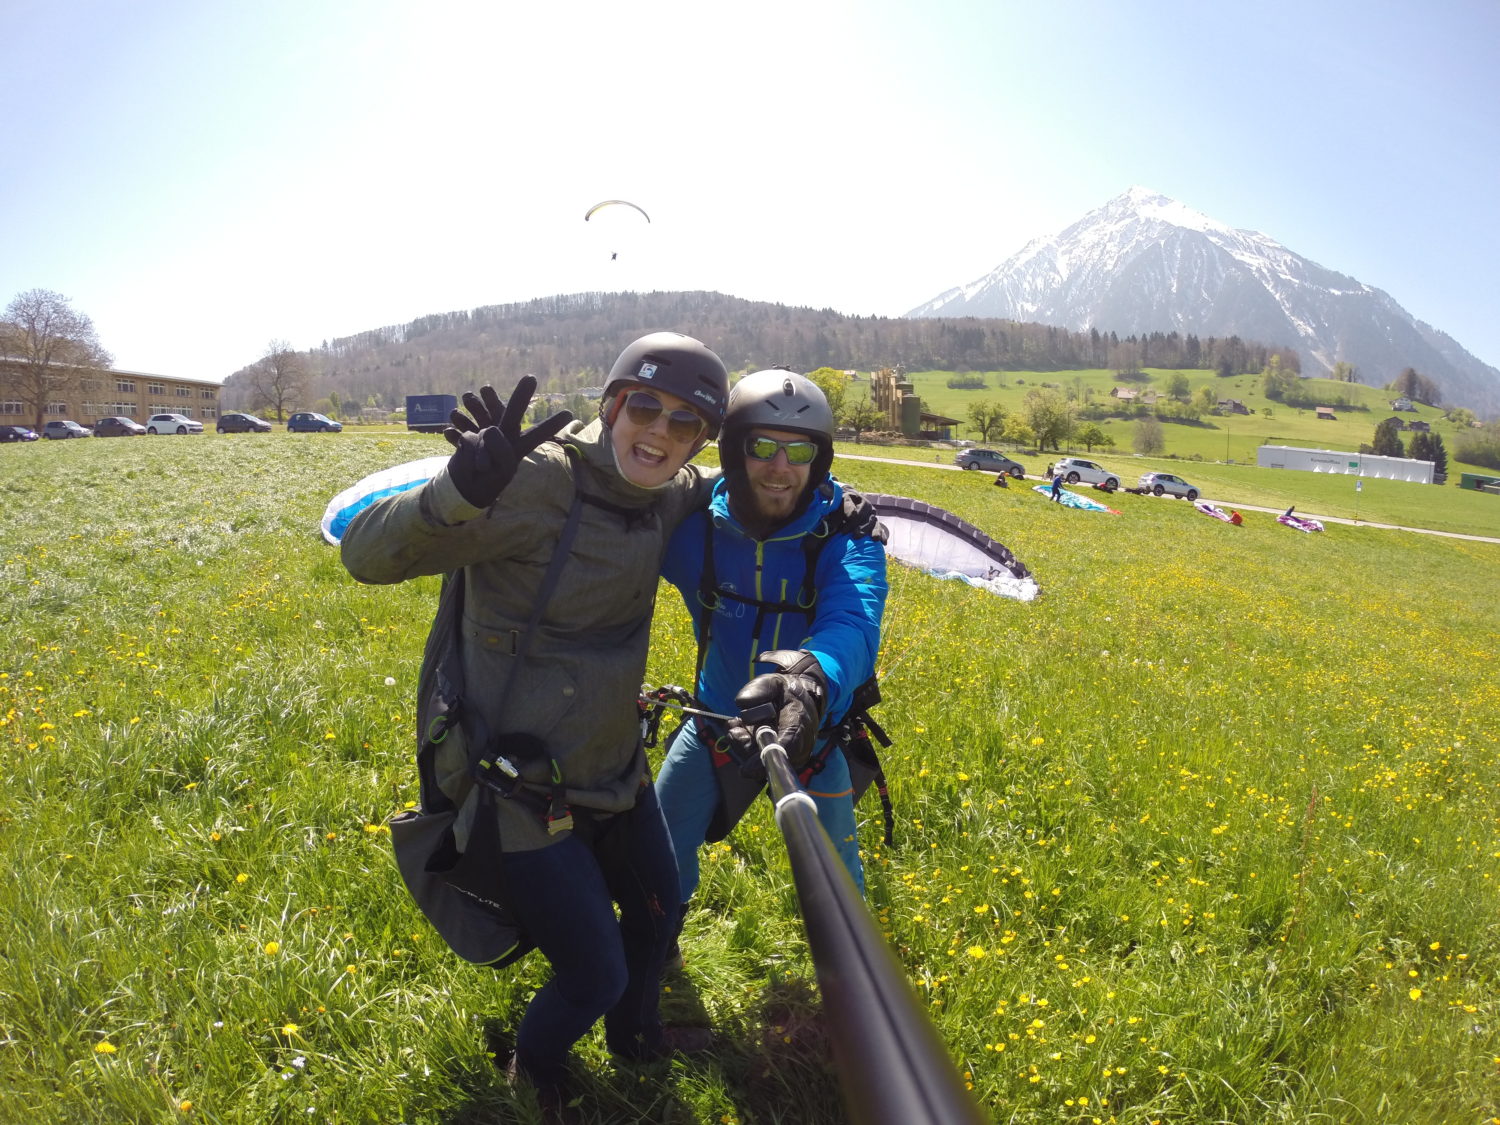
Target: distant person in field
1057 483
580 828
784 575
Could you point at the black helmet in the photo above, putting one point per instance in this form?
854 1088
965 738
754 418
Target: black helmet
777 399
679 365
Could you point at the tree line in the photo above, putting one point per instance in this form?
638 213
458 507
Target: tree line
569 343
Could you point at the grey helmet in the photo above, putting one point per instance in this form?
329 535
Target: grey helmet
679 365
777 399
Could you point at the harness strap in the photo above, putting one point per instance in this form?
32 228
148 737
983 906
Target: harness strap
495 771
711 596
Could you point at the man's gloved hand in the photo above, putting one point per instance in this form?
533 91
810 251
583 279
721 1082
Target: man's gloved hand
861 521
796 696
488 443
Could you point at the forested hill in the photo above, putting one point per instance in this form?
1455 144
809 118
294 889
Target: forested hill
570 342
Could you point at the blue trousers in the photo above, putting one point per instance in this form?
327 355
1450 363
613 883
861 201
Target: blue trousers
564 896
689 792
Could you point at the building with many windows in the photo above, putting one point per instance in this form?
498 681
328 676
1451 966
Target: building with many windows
90 394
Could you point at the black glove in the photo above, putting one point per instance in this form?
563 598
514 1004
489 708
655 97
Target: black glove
488 447
796 698
861 520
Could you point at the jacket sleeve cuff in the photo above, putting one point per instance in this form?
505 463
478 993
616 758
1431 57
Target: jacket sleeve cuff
445 504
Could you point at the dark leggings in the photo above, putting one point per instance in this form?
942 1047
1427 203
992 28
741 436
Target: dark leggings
564 898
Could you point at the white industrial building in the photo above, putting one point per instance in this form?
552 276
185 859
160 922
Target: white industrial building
1342 461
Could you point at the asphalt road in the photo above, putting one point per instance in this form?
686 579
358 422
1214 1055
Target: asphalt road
1242 507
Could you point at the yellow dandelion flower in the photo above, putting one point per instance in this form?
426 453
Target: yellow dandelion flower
241 878
977 952
273 948
1415 994
289 1029
104 1047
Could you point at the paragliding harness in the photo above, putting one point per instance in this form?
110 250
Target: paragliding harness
855 734
462 893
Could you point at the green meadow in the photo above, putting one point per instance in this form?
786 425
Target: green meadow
1233 437
1210 832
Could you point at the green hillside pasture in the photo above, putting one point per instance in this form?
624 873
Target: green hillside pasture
1400 503
1206 833
1230 437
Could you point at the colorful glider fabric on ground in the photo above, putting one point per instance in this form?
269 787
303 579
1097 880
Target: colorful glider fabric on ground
1218 513
357 497
1301 523
1073 500
938 542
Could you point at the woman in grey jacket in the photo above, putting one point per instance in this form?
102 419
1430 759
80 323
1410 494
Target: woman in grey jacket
584 831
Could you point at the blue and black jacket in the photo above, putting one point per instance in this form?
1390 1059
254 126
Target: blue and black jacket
761 597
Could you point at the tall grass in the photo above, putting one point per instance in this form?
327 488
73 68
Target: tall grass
1207 833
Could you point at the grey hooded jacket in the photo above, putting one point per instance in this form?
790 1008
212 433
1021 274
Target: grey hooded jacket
575 692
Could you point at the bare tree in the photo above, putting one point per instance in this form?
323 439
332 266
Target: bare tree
278 380
1150 438
47 349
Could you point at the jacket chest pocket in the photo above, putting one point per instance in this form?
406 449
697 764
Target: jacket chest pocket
537 692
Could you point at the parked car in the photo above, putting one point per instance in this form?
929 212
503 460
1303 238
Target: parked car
172 424
242 424
117 425
1159 484
18 433
1075 469
990 460
311 422
65 429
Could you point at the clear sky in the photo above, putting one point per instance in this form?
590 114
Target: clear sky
202 177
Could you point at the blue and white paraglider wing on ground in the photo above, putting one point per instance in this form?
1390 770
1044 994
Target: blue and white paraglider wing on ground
944 546
356 498
1074 500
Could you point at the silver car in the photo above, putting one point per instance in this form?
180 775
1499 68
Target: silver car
1165 484
990 460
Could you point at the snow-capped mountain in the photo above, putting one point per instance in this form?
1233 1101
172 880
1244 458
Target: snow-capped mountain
1146 263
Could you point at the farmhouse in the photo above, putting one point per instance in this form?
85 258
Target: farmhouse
1325 414
1341 461
88 394
1232 406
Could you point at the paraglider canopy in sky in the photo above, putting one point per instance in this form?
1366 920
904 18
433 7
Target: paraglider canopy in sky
589 214
619 217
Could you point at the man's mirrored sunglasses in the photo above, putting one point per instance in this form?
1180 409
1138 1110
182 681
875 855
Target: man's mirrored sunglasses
643 407
764 449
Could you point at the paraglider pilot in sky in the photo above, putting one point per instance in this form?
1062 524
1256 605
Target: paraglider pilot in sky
785 577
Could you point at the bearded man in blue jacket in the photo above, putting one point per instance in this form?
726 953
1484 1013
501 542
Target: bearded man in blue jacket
786 590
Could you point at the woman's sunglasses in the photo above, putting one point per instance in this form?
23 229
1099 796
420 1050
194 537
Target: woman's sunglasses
764 449
643 408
